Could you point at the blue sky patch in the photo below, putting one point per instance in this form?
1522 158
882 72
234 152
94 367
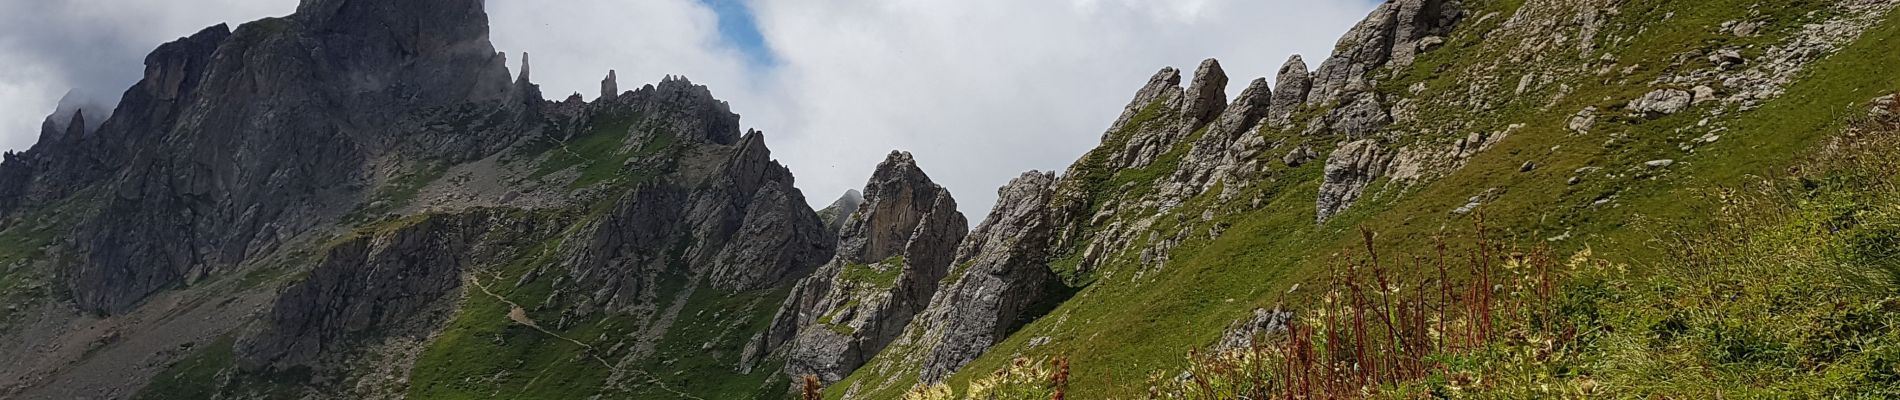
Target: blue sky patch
738 28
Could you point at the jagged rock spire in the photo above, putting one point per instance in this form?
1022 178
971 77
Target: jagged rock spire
1206 97
609 87
522 79
76 128
525 89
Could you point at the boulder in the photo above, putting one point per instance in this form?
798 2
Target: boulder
1662 102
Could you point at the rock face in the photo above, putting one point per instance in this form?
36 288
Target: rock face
257 132
1293 85
1348 171
1001 276
891 255
372 283
835 214
742 226
1393 34
1363 116
1221 149
1206 97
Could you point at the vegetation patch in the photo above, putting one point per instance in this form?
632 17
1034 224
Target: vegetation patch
880 275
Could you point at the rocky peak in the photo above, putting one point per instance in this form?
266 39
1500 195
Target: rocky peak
891 255
1293 84
1165 85
56 125
1206 97
524 88
434 51
752 225
897 198
1392 33
1181 113
609 87
1254 103
1217 154
689 107
835 214
173 70
76 129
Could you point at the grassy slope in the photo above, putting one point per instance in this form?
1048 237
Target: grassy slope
26 271
1119 332
483 354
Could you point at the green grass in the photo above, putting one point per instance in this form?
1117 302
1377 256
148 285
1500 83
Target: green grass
881 275
194 377
600 154
26 272
699 353
1119 329
397 193
483 354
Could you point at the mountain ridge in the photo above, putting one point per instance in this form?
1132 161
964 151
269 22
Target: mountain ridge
359 201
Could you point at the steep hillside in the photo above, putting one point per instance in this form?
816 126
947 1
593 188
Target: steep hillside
1600 125
358 201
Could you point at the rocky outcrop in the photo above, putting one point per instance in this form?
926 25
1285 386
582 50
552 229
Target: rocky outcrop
1348 171
1164 87
609 87
1001 276
1221 150
742 226
1424 161
1662 102
60 165
1246 333
835 214
752 227
1180 116
891 255
1291 87
1360 118
1206 97
364 284
1392 34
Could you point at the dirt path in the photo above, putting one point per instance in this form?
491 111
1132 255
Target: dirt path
520 316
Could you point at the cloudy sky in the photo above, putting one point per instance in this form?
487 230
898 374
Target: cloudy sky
978 90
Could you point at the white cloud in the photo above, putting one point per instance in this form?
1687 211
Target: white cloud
981 90
978 90
574 43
